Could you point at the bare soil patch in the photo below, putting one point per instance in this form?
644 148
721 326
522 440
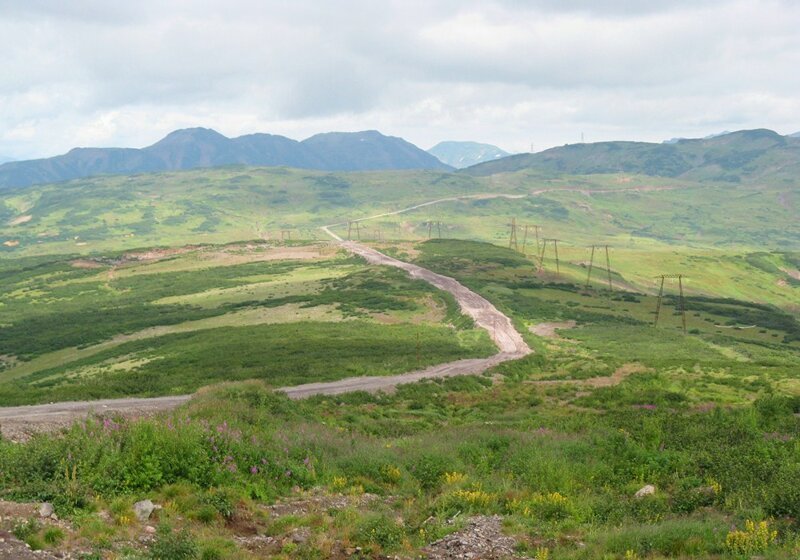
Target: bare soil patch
792 272
85 263
548 330
19 220
11 243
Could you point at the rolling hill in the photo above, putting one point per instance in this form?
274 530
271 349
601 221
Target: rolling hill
201 147
466 154
747 155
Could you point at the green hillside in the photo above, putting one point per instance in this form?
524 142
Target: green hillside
747 155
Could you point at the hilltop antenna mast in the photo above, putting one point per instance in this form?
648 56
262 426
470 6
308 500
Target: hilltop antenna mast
681 300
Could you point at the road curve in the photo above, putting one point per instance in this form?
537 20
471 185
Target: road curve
15 422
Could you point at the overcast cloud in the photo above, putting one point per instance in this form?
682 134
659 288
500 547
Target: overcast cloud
510 72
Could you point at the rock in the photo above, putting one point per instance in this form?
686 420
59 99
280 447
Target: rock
150 530
143 509
481 538
301 535
46 510
647 490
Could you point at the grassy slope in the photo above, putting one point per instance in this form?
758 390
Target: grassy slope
176 324
702 230
558 447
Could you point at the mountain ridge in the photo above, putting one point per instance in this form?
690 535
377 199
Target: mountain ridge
734 157
199 147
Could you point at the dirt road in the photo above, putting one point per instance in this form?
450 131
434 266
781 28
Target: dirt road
17 422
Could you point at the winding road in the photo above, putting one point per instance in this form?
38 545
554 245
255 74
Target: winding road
16 422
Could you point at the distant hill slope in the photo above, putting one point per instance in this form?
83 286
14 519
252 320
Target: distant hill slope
201 147
739 156
4 159
466 154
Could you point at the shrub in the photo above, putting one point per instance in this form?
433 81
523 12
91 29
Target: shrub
222 501
378 529
53 536
429 470
754 539
172 545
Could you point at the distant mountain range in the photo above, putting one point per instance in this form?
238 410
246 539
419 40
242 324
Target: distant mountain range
795 135
745 155
4 159
465 154
201 147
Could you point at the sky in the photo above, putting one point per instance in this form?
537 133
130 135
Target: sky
521 74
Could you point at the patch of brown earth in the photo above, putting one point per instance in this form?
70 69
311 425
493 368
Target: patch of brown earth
20 220
792 272
85 263
11 243
617 377
482 538
548 330
318 502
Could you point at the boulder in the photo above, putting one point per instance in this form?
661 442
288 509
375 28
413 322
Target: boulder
46 510
647 490
143 510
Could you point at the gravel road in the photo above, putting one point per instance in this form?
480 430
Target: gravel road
18 422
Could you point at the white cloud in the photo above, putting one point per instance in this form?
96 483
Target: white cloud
511 72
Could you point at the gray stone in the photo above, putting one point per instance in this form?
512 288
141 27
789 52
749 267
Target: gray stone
46 510
143 509
647 490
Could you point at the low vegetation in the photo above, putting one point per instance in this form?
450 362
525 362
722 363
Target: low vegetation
558 443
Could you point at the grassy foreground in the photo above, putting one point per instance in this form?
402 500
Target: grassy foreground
557 443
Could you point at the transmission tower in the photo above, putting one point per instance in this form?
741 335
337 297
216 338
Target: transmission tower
608 266
681 300
512 239
555 249
350 227
536 228
438 228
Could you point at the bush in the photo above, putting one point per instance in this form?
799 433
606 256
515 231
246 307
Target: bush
756 538
429 470
172 545
53 536
377 529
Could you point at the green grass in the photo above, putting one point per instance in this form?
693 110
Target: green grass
557 443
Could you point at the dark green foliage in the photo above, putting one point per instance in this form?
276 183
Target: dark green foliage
380 530
173 545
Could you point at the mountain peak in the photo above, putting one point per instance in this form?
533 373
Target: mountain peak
464 154
196 134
